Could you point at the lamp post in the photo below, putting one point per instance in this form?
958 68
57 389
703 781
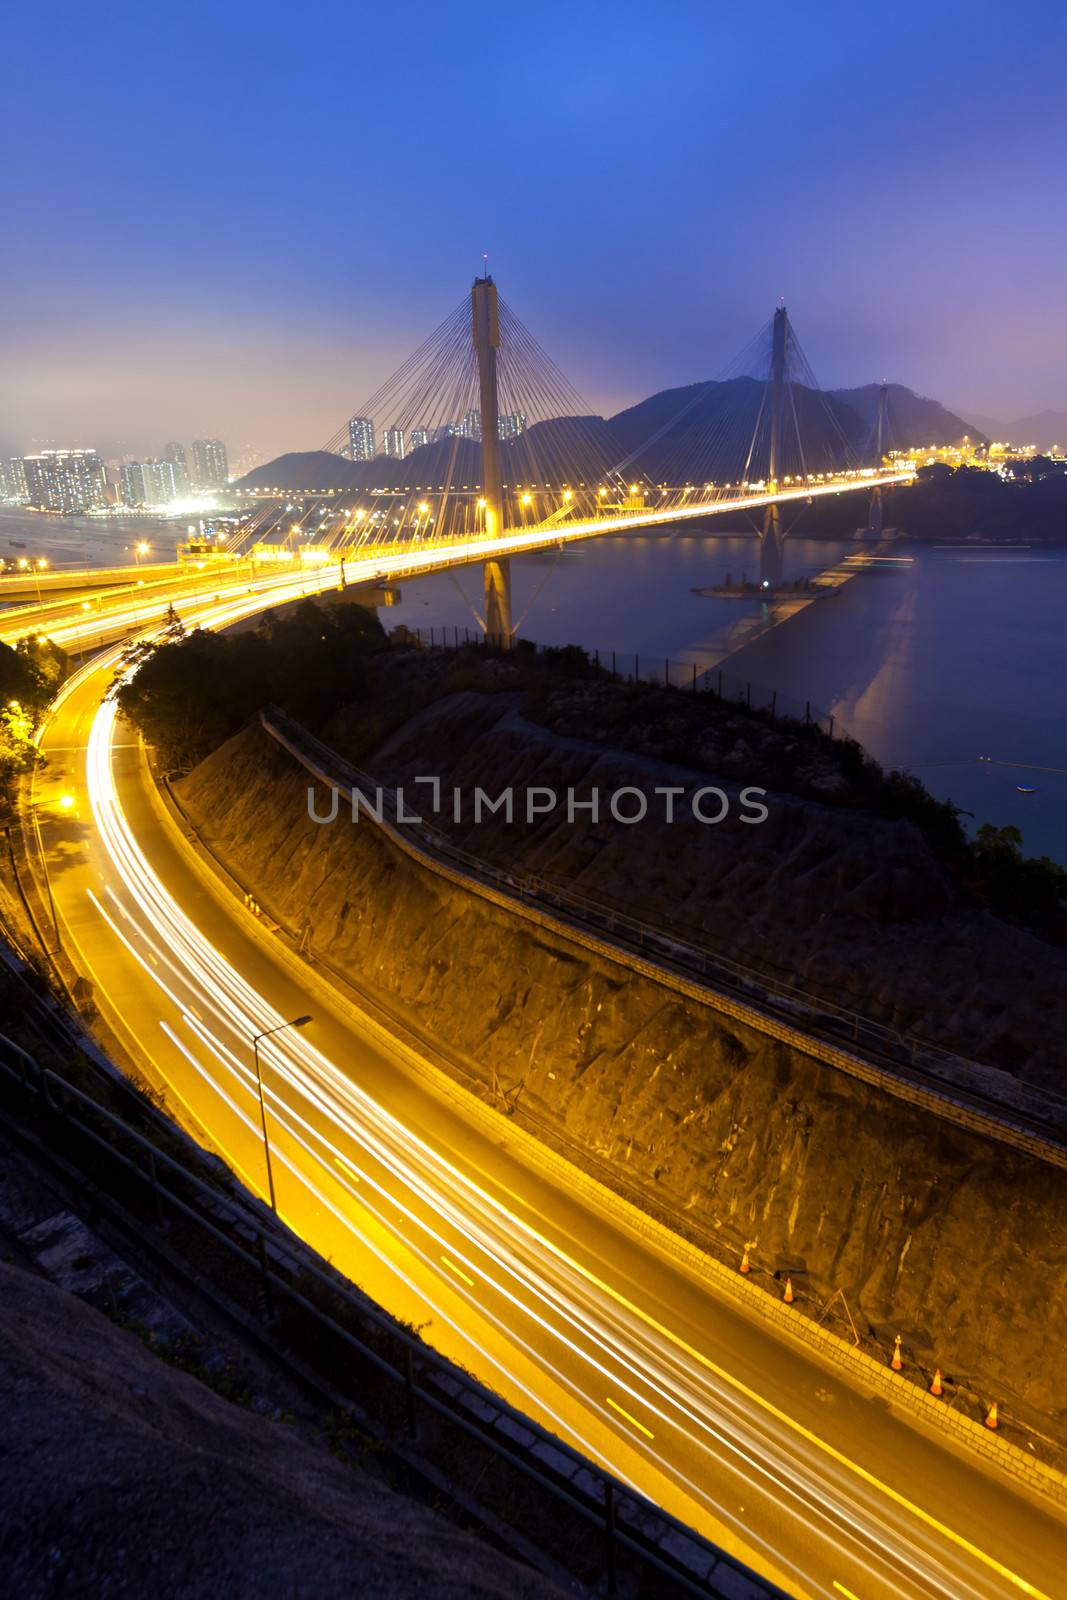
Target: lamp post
297 1022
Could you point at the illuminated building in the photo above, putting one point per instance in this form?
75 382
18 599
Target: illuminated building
148 483
16 479
361 439
393 442
511 424
64 480
211 468
175 454
419 437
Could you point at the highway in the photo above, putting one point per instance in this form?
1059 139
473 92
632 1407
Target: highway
544 1285
89 618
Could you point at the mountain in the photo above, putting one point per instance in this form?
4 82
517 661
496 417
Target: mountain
704 432
913 420
990 426
1045 429
565 449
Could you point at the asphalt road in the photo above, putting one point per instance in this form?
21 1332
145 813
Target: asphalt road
546 1287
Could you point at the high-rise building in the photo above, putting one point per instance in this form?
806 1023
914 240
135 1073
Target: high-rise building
148 483
210 466
512 424
471 426
393 443
361 439
64 480
418 437
16 479
175 454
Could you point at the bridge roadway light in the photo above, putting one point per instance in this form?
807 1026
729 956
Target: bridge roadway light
297 1022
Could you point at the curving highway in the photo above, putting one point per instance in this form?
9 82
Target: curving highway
550 1289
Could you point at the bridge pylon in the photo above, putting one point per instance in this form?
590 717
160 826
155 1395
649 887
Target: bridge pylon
771 541
485 335
874 518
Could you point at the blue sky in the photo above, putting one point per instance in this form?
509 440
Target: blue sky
238 218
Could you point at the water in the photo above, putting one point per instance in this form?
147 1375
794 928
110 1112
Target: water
947 656
632 594
86 541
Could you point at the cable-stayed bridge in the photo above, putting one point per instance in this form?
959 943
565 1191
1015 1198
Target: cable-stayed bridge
478 448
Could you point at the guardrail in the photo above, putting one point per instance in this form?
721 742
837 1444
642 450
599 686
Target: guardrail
835 1025
635 1534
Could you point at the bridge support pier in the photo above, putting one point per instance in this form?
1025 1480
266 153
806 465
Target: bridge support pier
770 550
485 336
770 556
498 625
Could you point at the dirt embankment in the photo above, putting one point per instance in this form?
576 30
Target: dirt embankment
958 1242
847 904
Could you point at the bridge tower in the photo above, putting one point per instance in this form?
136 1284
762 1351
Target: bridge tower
770 565
874 519
485 334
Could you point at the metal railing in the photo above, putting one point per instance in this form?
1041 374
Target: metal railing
834 1024
172 1185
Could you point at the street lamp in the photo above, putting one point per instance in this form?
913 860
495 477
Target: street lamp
297 1022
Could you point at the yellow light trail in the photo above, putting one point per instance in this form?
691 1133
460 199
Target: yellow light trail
539 1300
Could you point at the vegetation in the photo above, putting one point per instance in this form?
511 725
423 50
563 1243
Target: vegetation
961 502
30 674
191 695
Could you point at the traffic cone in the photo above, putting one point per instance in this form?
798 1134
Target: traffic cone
991 1419
896 1362
745 1267
935 1387
788 1296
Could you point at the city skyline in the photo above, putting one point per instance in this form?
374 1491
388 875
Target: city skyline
880 225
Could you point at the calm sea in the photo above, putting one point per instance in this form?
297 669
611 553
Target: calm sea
952 663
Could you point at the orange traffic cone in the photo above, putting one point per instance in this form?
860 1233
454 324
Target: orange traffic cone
745 1267
896 1362
788 1296
991 1419
935 1387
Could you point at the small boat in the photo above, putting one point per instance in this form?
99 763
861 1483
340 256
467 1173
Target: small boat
1025 788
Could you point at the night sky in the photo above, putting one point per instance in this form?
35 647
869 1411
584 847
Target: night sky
236 219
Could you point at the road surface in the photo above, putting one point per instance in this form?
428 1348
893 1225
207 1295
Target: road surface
543 1285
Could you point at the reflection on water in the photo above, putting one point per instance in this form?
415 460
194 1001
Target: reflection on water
633 593
950 663
86 541
933 663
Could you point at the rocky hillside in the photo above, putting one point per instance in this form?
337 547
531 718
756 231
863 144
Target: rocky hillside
120 1475
853 906
954 1240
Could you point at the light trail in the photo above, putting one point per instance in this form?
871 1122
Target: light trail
559 1316
416 558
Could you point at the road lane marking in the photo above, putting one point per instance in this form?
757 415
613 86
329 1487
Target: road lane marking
846 1592
451 1265
343 1161
759 1401
631 1420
